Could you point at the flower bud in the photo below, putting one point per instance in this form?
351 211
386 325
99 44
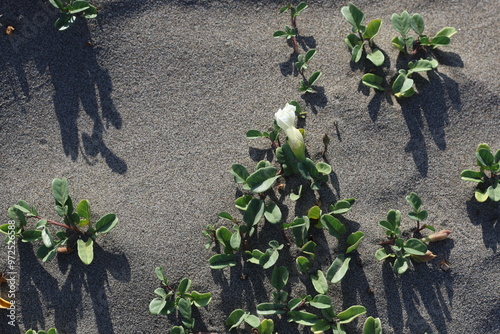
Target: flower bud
423 258
438 236
285 118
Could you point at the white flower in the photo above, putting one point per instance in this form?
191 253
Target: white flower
285 118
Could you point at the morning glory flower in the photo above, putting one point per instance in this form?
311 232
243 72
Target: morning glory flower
285 118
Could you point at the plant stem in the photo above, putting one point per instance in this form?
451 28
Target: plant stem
53 222
388 242
294 38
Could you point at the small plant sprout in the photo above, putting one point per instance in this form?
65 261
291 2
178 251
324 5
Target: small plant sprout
70 10
239 316
306 85
361 34
403 22
303 60
488 176
267 259
291 32
418 214
75 218
403 85
179 299
48 331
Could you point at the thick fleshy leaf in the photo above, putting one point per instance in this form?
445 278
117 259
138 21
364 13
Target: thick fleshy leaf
236 318
272 213
372 326
354 240
220 261
294 196
83 210
46 254
376 57
373 81
270 308
201 299
381 254
29 235
86 250
357 52
319 282
314 212
303 318
338 269
60 191
421 65
481 196
401 23
279 277
372 29
47 238
262 179
484 157
254 212
252 320
493 191
106 223
417 24
223 235
266 327
184 286
415 246
184 307
303 264
414 201
251 134
447 32
309 248
351 41
351 313
240 173
400 265
321 302
324 168
333 225
160 275
156 305
354 16
242 202
177 330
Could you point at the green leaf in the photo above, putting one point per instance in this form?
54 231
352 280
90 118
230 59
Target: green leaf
381 254
352 40
262 179
156 305
270 308
160 275
309 248
307 169
224 237
57 4
415 246
372 29
321 302
414 201
184 286
225 215
342 206
320 326
252 320
86 250
301 6
417 24
338 269
47 238
272 213
485 158
65 21
254 212
303 318
279 277
377 57
177 330
314 212
403 86
243 201
236 318
421 65
90 12
373 81
161 292
324 168
333 225
372 326
240 173
220 261
286 158
184 307
354 16
235 241
309 55
401 23
28 235
481 196
319 282
201 299
354 240
26 208
266 327
357 52
60 191
78 6
398 43
493 191
400 265
106 223
447 32
46 254
83 210
251 134
279 33
351 313
303 264
295 197
314 77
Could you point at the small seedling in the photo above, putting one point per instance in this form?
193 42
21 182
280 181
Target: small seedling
267 259
258 182
48 331
239 316
488 176
403 85
303 60
178 299
418 214
362 35
70 10
306 85
74 219
403 22
291 32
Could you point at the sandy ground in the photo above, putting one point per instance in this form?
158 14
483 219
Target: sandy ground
148 120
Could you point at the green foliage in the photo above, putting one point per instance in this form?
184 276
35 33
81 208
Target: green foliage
403 85
73 220
70 10
403 22
259 181
267 259
48 331
303 60
306 85
362 35
488 176
180 300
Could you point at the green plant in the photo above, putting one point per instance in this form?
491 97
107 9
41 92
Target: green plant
403 85
290 32
180 299
48 331
306 85
74 219
70 10
418 214
362 35
403 22
488 176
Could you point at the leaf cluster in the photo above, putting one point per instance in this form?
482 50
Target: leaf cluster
48 331
75 218
488 176
180 300
70 10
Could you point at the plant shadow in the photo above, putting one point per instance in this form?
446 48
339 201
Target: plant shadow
66 301
70 60
487 215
